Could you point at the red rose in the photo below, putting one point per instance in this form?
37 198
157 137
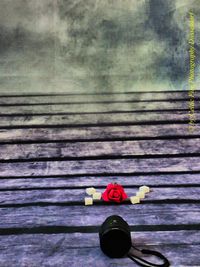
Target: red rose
114 192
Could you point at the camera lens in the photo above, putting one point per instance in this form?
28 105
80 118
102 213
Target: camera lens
115 237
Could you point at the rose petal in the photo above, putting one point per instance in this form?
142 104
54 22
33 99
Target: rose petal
105 196
114 192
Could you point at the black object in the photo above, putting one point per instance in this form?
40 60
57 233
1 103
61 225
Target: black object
115 242
115 237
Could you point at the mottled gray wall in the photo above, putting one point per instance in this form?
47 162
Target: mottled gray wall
74 45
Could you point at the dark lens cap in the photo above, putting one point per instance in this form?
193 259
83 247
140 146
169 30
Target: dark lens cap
115 237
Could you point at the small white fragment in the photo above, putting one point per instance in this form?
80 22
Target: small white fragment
140 194
135 200
88 201
144 189
96 196
90 190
